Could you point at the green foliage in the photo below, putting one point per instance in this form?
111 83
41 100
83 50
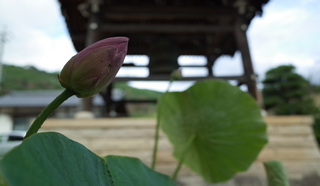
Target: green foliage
53 159
137 94
315 88
146 110
141 109
27 78
316 128
286 92
276 174
226 123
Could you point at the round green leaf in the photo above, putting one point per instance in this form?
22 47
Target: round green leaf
53 159
227 124
126 171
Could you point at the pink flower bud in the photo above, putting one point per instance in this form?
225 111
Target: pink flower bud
92 70
176 75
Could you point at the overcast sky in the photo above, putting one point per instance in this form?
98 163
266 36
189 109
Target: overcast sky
287 33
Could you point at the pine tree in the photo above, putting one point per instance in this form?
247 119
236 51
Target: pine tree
286 92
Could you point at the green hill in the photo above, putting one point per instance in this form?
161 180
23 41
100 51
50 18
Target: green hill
27 78
137 94
30 78
141 109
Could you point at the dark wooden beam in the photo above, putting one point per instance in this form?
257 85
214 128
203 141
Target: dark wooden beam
140 42
133 65
167 78
221 11
242 44
164 28
166 13
142 51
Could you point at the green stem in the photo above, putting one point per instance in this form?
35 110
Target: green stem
48 111
156 136
185 151
170 84
155 147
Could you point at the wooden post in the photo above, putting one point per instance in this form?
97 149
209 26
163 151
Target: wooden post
93 35
108 99
242 44
210 62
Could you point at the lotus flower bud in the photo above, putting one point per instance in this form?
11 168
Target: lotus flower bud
176 75
92 70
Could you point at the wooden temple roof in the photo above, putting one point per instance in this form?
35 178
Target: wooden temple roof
198 27
165 29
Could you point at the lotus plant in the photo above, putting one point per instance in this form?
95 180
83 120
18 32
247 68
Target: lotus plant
87 73
215 129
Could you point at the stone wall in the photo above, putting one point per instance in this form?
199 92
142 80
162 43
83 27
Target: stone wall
291 140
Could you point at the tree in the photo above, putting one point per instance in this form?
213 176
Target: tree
286 92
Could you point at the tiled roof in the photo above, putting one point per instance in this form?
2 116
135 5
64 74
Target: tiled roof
41 98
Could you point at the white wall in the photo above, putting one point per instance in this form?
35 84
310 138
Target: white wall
6 123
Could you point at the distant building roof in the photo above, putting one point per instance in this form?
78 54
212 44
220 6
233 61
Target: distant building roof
41 98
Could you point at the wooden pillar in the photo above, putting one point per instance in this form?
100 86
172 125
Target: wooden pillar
93 35
108 99
210 62
240 28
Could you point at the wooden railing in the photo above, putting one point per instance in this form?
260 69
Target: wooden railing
291 140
